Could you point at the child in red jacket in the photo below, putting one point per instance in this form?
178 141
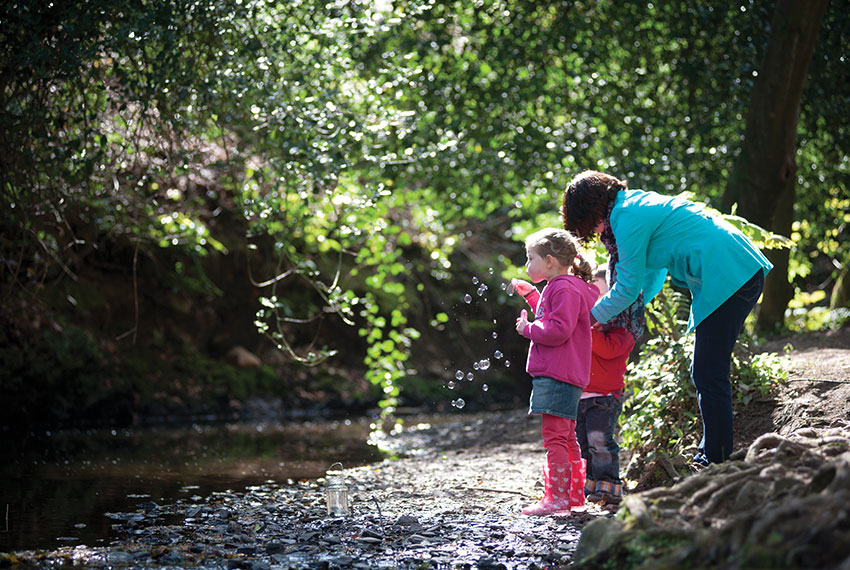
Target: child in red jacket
600 407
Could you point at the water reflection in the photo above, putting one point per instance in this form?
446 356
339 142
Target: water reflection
58 486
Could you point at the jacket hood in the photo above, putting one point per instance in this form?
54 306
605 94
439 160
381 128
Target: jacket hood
587 292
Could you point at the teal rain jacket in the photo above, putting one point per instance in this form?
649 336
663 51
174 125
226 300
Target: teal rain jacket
658 235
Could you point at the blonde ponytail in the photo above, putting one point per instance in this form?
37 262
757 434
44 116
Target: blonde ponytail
582 268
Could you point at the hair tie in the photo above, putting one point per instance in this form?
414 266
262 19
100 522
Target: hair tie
578 256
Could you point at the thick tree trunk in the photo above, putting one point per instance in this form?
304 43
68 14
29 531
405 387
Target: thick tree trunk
762 182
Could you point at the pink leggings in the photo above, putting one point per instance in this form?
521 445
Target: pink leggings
559 439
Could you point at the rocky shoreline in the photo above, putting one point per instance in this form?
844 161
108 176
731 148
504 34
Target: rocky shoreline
455 504
453 501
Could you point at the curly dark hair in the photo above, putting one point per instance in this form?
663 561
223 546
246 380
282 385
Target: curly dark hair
586 200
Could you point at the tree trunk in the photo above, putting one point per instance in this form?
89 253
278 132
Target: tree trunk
762 182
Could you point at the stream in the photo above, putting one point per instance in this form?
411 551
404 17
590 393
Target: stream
58 487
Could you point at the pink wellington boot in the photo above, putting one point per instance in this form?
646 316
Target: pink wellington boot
556 497
578 473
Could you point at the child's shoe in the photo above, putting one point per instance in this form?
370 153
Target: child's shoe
556 496
607 493
577 482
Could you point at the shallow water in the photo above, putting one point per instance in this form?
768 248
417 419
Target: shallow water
57 488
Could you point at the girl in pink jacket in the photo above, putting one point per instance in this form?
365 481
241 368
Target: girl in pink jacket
558 359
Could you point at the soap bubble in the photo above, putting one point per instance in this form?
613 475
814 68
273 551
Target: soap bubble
475 365
470 376
482 289
451 385
495 334
490 271
484 364
507 363
467 298
485 387
459 374
475 280
459 403
498 355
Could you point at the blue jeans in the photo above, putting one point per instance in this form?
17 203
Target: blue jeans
595 427
713 345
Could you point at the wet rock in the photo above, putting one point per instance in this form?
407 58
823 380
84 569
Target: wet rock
119 557
369 533
487 563
598 536
407 520
277 547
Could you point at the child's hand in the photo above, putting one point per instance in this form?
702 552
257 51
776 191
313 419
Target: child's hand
522 321
522 287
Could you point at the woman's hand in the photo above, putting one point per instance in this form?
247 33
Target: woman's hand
522 322
522 287
594 324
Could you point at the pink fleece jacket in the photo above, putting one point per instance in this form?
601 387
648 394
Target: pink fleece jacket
560 334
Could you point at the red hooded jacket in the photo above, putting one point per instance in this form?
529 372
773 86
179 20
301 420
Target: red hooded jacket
609 360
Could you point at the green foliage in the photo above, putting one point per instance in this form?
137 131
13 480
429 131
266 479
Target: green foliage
822 234
761 237
354 149
661 414
803 317
753 375
65 367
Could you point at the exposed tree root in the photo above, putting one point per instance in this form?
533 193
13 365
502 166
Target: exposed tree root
783 504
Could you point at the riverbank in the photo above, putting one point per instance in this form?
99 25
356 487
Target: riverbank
454 502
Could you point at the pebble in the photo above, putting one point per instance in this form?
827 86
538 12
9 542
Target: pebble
119 557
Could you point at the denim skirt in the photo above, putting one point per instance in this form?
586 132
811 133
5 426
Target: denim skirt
553 397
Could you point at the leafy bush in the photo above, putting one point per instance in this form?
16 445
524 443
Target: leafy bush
56 373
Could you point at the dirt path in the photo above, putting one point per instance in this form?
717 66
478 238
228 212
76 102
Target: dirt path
818 391
456 503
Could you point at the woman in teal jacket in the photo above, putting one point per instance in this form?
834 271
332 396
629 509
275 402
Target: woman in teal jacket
649 236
